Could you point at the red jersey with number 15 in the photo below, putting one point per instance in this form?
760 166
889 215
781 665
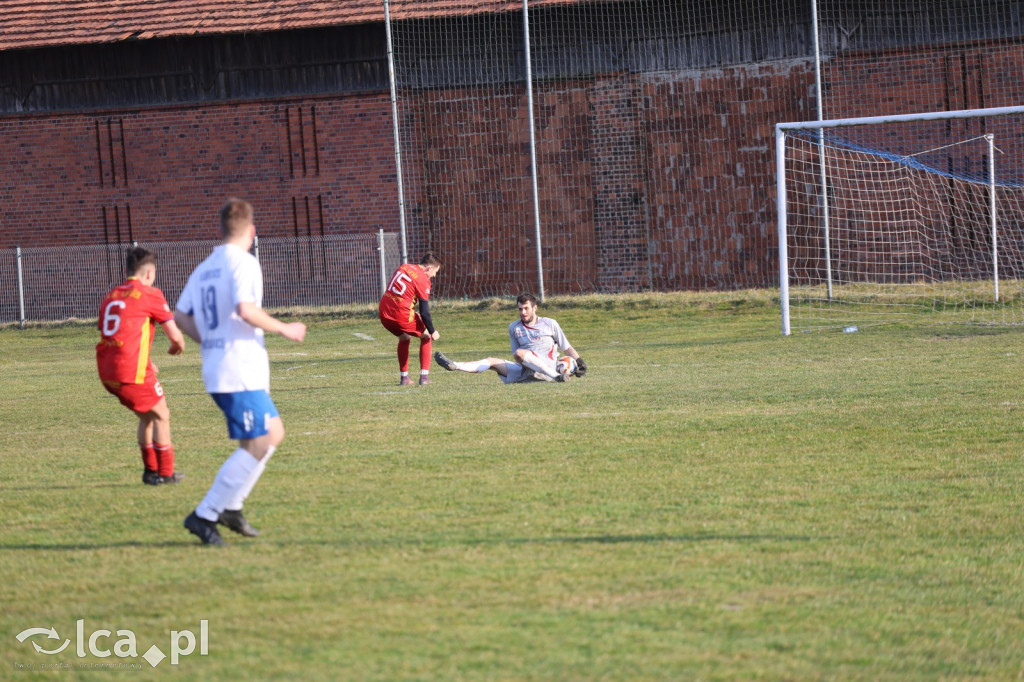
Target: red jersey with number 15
128 316
408 285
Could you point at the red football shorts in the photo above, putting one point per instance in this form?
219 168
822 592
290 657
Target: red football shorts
138 397
396 327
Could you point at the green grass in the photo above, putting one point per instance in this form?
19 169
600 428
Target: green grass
712 501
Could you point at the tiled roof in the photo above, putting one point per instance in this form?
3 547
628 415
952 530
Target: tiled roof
47 23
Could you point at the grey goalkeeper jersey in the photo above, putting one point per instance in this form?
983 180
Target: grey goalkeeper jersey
543 337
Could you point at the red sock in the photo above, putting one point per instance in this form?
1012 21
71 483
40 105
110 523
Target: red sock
403 355
165 456
149 459
425 346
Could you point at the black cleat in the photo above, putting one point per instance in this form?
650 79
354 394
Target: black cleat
233 519
440 359
176 477
150 477
203 529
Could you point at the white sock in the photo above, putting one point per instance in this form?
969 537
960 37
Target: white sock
424 372
235 503
534 362
231 478
475 367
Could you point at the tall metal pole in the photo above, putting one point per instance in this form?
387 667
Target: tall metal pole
383 262
780 185
992 211
21 289
533 151
394 126
823 170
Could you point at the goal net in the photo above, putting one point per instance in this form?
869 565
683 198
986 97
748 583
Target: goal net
921 221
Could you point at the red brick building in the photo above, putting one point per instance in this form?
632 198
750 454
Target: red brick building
124 121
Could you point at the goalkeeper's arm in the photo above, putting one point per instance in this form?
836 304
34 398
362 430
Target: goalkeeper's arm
581 367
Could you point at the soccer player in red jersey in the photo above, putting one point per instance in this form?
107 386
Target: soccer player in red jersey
398 313
128 317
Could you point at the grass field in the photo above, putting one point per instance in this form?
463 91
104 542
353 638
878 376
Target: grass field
712 502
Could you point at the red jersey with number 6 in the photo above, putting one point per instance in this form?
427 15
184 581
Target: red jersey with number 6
408 285
128 316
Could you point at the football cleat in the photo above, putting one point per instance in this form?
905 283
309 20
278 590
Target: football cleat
425 380
203 529
233 519
176 477
150 477
445 362
406 381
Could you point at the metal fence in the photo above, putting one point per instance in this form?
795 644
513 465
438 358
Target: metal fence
68 282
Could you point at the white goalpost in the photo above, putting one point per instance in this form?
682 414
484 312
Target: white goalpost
902 218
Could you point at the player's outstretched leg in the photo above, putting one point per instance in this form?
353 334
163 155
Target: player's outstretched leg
471 366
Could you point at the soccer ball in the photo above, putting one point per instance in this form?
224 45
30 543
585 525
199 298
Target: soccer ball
566 365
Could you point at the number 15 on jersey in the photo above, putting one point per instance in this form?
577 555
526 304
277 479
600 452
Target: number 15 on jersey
399 283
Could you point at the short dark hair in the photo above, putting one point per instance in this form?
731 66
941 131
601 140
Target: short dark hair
136 258
235 215
431 258
524 298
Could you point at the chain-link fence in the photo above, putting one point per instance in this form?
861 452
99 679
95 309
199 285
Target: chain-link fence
68 282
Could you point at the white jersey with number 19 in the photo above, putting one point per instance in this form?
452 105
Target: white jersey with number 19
234 356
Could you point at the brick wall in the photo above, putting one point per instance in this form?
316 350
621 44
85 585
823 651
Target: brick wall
711 184
312 167
662 181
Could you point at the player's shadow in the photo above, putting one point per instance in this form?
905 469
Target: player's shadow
356 543
642 539
623 539
86 547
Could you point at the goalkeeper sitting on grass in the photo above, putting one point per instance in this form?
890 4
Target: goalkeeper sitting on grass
535 341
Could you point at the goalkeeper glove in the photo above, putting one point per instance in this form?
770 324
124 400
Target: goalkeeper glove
581 367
